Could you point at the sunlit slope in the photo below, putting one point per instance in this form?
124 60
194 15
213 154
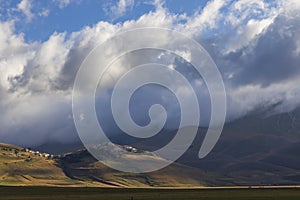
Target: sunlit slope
82 166
20 168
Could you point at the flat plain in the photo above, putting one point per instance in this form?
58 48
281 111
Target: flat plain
51 193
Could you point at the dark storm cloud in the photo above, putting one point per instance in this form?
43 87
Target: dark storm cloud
273 59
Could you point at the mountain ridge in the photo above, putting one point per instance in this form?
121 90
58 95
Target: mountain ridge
24 167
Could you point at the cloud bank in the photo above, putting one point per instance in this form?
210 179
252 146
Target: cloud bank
255 44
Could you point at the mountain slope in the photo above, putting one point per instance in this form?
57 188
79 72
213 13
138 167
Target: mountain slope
23 167
255 150
82 166
29 168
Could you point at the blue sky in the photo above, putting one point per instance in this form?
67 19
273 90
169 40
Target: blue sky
55 16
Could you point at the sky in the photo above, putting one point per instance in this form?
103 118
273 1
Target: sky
254 43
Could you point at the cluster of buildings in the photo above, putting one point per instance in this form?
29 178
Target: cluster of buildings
15 152
37 153
130 149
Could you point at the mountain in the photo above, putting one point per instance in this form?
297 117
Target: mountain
26 167
258 149
81 165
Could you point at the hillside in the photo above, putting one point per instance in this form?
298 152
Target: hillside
82 166
24 167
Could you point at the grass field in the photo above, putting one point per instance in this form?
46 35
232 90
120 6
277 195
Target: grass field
49 193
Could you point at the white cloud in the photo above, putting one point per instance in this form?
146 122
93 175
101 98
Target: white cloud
159 4
64 3
44 13
208 18
246 20
261 45
185 55
245 99
25 6
291 8
14 54
119 9
248 33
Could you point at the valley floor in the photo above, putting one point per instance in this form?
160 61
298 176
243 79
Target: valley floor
49 193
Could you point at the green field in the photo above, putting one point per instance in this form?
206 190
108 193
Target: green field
59 193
